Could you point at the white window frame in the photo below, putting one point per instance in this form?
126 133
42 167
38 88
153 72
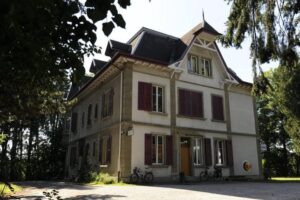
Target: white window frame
198 145
204 69
218 156
156 149
155 108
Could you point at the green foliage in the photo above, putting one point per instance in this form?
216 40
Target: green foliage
2 138
7 189
102 178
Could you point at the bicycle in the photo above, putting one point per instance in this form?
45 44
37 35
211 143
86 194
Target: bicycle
137 175
216 175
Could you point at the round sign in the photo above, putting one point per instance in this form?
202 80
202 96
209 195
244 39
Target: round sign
247 165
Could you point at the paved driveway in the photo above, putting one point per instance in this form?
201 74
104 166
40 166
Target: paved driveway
217 191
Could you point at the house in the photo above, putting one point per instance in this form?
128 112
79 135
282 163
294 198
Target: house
167 104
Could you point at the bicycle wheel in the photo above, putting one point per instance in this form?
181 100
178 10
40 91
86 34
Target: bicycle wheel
204 176
148 178
134 178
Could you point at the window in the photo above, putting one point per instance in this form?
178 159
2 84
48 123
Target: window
82 120
220 152
107 103
217 108
89 117
198 151
74 122
73 155
190 103
157 98
96 111
201 66
105 149
157 149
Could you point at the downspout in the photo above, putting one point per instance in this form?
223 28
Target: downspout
120 127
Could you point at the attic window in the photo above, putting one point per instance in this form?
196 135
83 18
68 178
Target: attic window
200 66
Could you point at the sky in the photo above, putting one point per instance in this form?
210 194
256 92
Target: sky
176 17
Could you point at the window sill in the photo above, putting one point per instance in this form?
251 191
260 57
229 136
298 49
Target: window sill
158 166
103 166
220 121
158 113
191 117
193 73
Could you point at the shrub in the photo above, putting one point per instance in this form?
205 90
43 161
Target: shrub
102 178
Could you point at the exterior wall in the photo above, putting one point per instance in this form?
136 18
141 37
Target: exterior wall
242 113
96 98
245 149
146 116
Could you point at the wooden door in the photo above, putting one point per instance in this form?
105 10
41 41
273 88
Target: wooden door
185 159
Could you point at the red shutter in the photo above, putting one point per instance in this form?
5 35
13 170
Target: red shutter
111 101
148 149
207 147
100 150
229 153
169 150
217 107
181 104
108 150
144 96
74 122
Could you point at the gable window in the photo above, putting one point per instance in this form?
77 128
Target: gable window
96 111
157 98
158 149
89 117
82 120
198 151
190 103
107 103
217 108
150 97
201 66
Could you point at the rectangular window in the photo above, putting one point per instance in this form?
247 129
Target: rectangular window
157 98
158 149
217 108
220 152
89 115
190 103
105 150
198 151
74 122
107 103
201 66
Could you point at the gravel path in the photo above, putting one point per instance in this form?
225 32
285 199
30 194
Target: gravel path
214 191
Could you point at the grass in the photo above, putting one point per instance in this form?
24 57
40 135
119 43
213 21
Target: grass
286 179
104 179
7 190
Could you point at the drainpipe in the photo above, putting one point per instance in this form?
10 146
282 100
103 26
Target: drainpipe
120 127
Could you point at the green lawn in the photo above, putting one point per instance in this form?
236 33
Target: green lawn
287 179
6 189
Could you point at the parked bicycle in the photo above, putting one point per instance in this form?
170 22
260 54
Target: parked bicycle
215 175
138 175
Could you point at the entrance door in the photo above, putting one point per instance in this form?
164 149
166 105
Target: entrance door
185 156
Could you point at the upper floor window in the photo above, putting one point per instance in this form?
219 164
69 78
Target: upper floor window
198 154
96 111
82 120
89 117
150 97
107 103
74 122
190 103
198 65
157 98
217 108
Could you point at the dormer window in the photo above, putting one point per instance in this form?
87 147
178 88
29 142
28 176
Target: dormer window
200 66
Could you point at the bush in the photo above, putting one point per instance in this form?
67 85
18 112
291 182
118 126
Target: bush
102 178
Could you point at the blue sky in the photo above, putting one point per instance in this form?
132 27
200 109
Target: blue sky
176 17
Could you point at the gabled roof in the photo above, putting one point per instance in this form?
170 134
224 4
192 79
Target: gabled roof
97 65
115 46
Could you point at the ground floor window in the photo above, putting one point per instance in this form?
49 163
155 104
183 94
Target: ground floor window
158 149
220 152
198 151
105 150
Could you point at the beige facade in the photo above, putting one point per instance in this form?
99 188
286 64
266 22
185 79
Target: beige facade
127 125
